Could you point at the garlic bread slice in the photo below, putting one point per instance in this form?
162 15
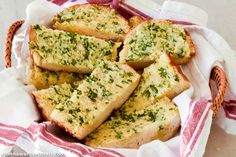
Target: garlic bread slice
146 42
65 51
105 90
160 79
92 20
42 78
48 99
132 129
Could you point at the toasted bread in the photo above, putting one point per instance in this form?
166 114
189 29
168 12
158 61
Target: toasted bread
65 51
107 88
151 38
48 99
42 78
132 129
92 20
160 79
148 114
135 20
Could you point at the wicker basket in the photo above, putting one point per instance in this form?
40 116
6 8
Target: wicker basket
217 74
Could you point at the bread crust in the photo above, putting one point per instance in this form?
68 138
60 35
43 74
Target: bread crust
135 20
32 38
44 112
41 108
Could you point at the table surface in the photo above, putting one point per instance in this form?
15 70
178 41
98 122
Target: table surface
222 19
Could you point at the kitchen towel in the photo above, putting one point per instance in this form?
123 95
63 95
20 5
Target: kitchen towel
194 104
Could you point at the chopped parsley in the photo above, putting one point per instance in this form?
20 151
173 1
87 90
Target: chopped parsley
176 77
92 95
183 35
70 120
118 85
181 53
115 22
72 37
81 120
163 73
150 91
106 93
147 93
120 31
161 127
37 27
56 91
152 115
127 116
119 134
135 130
100 26
106 52
129 74
111 80
60 109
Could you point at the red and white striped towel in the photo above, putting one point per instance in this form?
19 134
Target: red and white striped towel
20 132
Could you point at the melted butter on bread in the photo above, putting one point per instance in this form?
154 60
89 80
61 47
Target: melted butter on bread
42 78
65 51
108 87
133 129
149 113
48 99
94 20
152 38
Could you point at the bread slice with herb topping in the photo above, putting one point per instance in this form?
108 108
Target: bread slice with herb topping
93 20
133 129
146 42
158 80
42 78
105 90
148 114
65 51
48 99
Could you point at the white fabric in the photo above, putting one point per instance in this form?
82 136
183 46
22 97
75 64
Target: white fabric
148 8
219 54
37 12
16 102
202 140
183 12
41 147
211 50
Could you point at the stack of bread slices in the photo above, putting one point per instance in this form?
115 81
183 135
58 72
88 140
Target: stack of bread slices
106 80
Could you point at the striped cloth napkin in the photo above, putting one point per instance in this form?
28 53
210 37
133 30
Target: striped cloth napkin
22 132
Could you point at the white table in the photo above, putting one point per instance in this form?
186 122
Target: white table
222 19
